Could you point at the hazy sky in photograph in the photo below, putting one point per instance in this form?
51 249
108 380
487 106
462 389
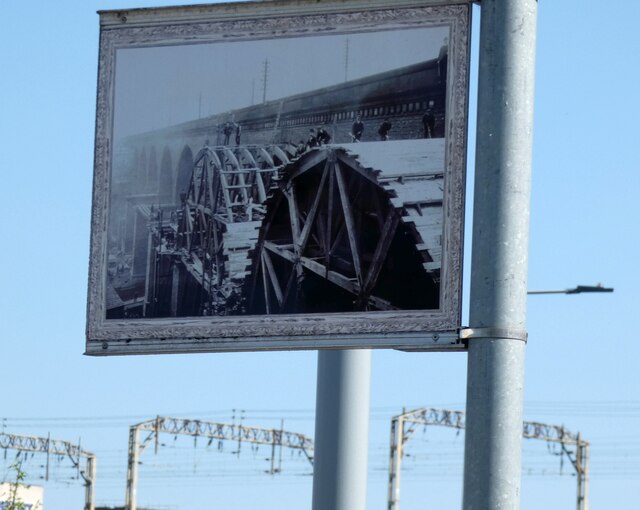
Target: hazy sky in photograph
161 86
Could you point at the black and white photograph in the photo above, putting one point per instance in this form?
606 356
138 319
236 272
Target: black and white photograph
305 173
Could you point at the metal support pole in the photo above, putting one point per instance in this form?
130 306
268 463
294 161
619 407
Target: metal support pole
585 476
132 470
90 483
495 374
579 474
582 466
342 430
395 462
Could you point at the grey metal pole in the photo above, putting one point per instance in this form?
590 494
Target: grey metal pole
395 462
90 483
342 430
495 374
130 501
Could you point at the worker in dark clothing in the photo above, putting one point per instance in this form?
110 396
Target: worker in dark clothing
429 123
238 131
312 141
227 130
384 129
357 129
323 136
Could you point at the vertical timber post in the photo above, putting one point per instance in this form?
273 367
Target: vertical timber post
342 430
495 373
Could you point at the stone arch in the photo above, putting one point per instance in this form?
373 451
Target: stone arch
185 167
152 171
140 177
165 181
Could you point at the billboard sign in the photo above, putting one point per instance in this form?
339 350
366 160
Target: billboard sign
279 175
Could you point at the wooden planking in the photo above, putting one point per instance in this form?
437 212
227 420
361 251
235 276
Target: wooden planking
400 158
238 241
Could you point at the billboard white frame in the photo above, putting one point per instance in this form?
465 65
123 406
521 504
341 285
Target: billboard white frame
286 20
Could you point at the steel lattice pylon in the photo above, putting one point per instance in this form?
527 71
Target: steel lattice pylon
456 419
277 438
60 447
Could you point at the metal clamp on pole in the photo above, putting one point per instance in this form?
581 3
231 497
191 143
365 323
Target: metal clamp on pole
466 334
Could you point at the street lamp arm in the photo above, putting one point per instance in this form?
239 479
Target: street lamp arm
580 289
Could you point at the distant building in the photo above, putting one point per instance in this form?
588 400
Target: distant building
31 496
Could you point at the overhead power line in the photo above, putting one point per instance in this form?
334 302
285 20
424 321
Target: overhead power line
59 447
456 419
276 438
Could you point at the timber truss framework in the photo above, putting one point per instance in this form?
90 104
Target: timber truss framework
217 223
276 438
404 425
267 230
342 235
57 447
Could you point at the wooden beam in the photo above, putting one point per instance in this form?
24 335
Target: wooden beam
281 154
320 234
198 207
349 284
275 285
235 164
266 287
262 193
290 280
214 186
246 153
342 281
382 248
338 237
266 157
328 247
216 160
189 224
353 165
217 251
304 236
348 218
378 206
201 186
309 161
226 196
294 217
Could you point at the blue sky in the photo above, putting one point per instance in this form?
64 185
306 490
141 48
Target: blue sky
582 356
